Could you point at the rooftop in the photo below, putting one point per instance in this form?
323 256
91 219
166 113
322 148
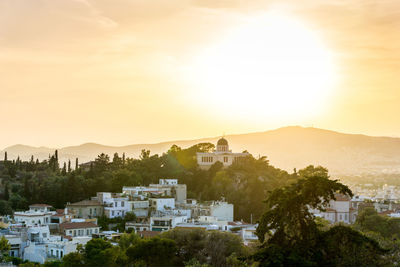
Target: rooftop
78 225
40 205
86 202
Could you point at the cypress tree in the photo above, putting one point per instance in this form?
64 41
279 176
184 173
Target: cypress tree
69 165
5 156
76 164
123 158
64 169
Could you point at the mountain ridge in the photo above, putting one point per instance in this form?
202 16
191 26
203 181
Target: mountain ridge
287 148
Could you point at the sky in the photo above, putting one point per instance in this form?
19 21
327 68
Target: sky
138 71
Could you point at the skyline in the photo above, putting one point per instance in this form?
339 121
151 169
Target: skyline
126 73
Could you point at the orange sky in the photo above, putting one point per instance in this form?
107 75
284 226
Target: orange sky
116 72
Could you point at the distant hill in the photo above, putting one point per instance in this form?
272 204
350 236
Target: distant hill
286 148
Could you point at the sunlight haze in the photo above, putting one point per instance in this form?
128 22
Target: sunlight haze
126 72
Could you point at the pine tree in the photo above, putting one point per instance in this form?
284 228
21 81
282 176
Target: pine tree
69 165
123 158
76 164
32 160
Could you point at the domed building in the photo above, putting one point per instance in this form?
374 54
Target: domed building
221 154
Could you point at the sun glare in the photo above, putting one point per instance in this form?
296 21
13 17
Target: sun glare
270 66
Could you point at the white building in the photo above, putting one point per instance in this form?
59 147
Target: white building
339 210
115 205
140 208
170 187
36 215
165 187
222 210
221 154
53 248
79 229
165 223
162 204
16 243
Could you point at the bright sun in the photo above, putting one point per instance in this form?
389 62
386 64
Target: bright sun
269 67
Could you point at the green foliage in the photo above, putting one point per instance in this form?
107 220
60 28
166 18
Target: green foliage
99 252
292 237
244 184
343 246
5 208
289 214
73 259
6 192
127 240
4 247
370 221
153 252
206 247
119 222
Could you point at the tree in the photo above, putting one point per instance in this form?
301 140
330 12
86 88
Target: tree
99 252
191 243
4 247
101 163
64 169
207 247
76 164
343 246
290 235
145 154
154 252
72 259
289 214
127 240
130 217
6 192
5 156
117 161
5 208
69 166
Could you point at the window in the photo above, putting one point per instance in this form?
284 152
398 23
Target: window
207 159
122 204
90 211
115 204
44 235
340 217
225 159
112 213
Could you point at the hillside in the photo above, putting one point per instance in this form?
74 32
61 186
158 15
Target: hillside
287 148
